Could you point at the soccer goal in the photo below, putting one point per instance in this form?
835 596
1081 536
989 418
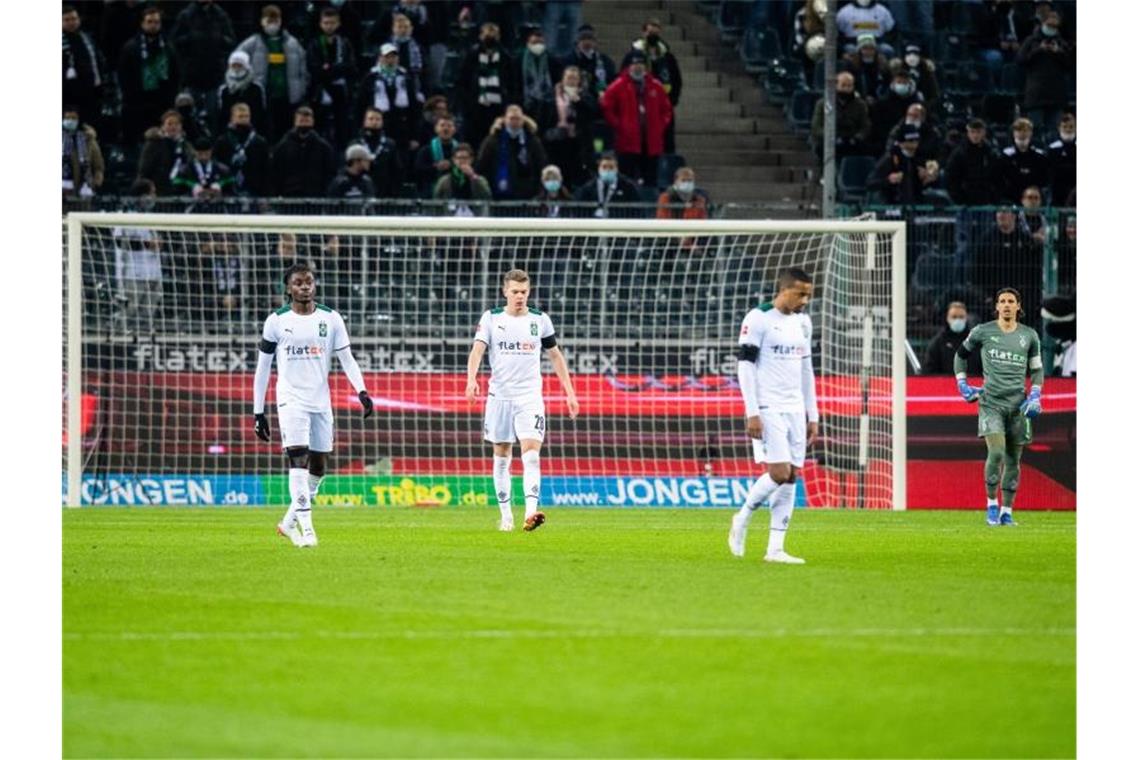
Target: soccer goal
163 313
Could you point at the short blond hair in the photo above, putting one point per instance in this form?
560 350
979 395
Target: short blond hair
516 275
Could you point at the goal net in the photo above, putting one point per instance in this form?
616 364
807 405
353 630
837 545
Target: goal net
164 313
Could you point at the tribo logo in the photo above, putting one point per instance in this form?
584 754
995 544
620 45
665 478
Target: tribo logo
304 350
525 346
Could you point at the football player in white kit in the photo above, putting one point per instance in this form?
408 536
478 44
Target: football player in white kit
778 385
303 335
516 336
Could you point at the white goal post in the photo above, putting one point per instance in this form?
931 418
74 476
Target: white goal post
163 313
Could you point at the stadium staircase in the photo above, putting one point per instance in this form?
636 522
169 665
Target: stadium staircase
741 148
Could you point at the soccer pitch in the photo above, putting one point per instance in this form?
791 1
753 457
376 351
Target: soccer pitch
627 633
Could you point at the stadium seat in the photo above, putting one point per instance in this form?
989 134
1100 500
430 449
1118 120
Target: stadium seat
819 78
667 164
731 18
973 78
759 49
800 110
451 63
852 179
784 76
966 19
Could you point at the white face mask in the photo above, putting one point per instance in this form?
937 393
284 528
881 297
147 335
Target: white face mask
912 60
914 122
1068 135
685 187
271 29
1049 31
70 125
536 48
957 324
902 90
570 89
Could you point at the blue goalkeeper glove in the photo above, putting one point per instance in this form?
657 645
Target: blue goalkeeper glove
1031 406
969 393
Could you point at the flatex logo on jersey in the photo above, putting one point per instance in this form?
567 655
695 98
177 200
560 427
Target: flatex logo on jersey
517 346
1006 357
304 352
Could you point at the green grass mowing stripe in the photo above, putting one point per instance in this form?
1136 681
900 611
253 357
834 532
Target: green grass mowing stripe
612 633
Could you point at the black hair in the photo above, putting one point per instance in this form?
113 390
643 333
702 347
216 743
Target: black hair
607 155
790 277
69 9
142 187
298 268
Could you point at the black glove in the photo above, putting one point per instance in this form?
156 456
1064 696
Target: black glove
366 402
261 427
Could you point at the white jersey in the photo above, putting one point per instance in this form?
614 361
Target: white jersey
305 345
784 344
514 347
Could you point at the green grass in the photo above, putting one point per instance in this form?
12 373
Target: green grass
632 633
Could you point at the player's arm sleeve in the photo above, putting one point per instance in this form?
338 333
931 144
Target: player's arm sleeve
963 353
483 329
265 351
746 365
549 337
343 351
1036 368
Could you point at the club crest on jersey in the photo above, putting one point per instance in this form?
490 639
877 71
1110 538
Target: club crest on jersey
1023 341
323 329
534 328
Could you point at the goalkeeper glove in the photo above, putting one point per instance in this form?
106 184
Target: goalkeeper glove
366 402
1031 406
969 392
261 427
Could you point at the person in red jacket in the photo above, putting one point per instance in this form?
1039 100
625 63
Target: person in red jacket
638 110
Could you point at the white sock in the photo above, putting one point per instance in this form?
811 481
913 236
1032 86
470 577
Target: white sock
299 493
783 504
501 474
991 502
1006 510
757 494
532 475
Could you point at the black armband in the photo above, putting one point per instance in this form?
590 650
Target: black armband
748 353
267 347
549 342
963 351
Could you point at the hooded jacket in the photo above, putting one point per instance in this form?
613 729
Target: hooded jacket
620 108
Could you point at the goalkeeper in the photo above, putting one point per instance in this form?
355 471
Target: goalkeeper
1005 412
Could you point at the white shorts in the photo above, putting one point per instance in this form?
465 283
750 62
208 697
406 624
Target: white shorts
313 430
784 439
506 421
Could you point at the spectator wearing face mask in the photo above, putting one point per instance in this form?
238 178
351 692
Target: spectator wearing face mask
82 158
852 120
148 77
930 141
683 199
598 69
567 130
485 83
395 92
638 111
302 162
901 177
534 72
512 156
1063 160
870 68
605 190
1022 163
387 166
246 152
922 71
164 153
972 169
240 87
664 68
865 17
1047 60
550 199
278 63
940 351
891 108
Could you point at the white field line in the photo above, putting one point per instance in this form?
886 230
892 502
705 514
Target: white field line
494 633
